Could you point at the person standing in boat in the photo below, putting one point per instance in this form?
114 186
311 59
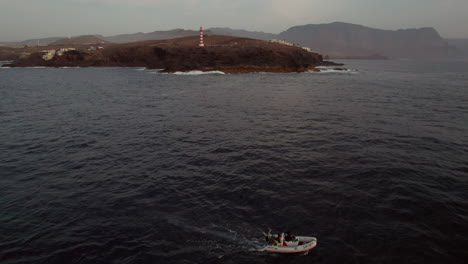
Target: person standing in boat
276 241
289 236
280 239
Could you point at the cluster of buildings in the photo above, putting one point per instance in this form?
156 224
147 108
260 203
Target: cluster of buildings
50 54
290 44
95 48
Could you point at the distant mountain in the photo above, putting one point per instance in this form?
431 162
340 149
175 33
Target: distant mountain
348 40
32 42
156 35
124 38
243 33
81 40
178 33
337 40
460 44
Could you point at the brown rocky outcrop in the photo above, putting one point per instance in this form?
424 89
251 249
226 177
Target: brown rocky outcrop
222 53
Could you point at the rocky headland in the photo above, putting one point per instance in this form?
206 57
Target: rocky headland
221 53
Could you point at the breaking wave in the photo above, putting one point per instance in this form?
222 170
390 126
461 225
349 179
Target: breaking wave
198 72
3 63
328 69
147 70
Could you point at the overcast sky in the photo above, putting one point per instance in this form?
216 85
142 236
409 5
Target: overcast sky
24 19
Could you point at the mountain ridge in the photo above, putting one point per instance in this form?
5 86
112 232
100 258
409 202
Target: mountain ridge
341 39
337 40
81 40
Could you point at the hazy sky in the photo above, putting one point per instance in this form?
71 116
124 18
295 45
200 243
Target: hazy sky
23 19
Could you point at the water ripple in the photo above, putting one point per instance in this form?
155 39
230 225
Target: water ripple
114 165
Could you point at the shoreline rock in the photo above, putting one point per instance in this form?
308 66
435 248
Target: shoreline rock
222 53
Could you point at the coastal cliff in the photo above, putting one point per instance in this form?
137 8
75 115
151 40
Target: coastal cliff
221 53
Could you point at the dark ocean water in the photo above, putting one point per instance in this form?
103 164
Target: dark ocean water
120 165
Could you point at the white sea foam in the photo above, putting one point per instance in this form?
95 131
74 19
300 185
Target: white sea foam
3 63
331 69
152 70
198 72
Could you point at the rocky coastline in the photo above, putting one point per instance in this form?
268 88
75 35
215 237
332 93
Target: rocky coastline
222 53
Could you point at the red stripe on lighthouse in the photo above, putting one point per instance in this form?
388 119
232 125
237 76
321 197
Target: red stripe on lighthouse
201 38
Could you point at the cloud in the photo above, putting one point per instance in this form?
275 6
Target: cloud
25 18
289 9
152 3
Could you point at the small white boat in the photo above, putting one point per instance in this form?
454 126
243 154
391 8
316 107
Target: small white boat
288 244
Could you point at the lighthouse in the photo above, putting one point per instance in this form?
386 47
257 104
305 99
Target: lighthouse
201 38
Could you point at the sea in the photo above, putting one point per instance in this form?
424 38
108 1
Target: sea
127 165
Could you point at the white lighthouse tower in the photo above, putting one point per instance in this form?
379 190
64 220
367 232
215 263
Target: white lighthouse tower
201 38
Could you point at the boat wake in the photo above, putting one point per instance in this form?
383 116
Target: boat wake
221 241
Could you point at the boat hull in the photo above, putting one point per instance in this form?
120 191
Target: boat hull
292 248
